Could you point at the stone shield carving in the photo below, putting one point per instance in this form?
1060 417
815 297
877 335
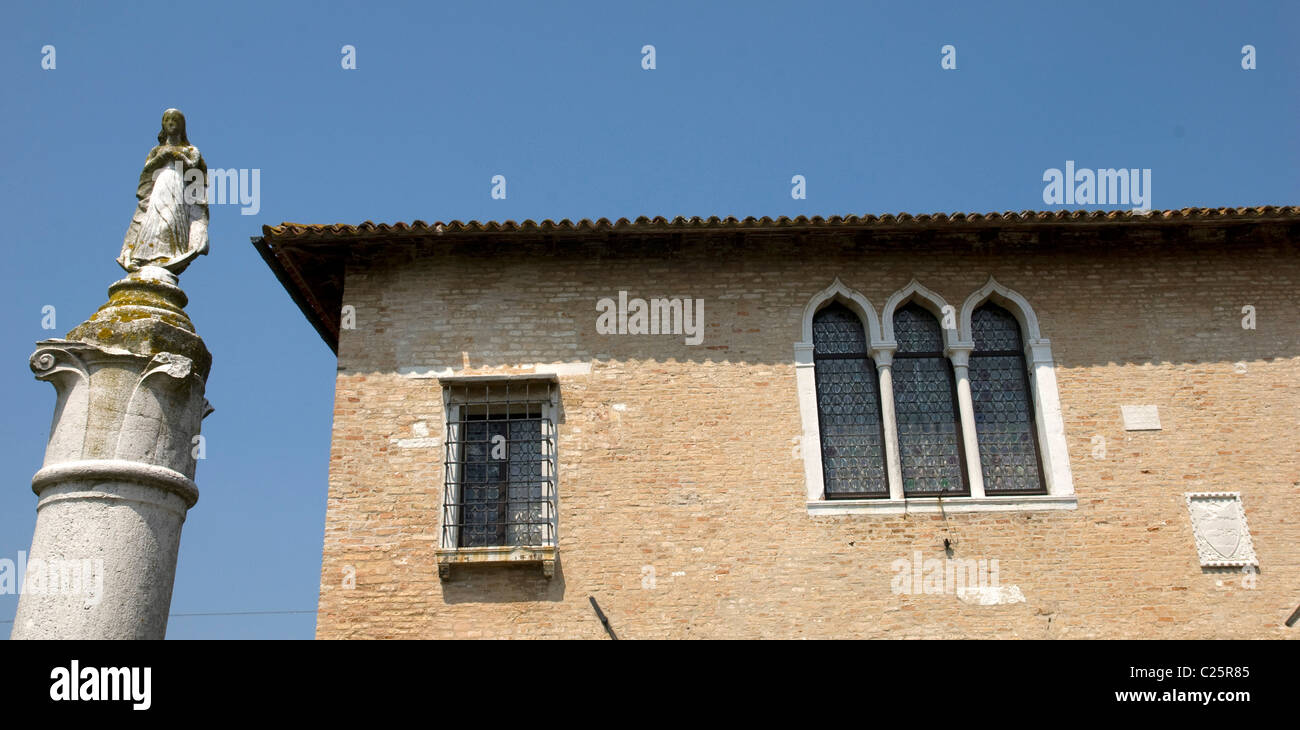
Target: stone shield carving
1219 524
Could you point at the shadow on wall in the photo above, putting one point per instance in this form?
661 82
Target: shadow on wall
1100 298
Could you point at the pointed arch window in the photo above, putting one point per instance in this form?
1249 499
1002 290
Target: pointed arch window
925 406
1003 405
848 406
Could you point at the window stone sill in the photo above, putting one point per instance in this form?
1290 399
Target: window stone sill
543 555
935 505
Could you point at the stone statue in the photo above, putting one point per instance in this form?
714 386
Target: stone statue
170 225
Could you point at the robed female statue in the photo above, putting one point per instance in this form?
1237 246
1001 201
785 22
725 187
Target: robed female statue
170 225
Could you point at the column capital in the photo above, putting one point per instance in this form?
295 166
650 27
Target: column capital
883 354
803 354
1040 351
959 353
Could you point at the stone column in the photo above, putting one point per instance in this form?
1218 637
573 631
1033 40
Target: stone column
118 476
884 357
960 355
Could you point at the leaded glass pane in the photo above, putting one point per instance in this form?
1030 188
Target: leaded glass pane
929 450
994 329
848 404
484 487
1004 420
916 330
525 465
925 407
849 415
837 330
501 492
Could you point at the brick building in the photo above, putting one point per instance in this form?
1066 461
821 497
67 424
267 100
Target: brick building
1032 425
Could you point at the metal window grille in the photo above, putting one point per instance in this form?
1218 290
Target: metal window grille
848 407
1004 413
500 464
925 406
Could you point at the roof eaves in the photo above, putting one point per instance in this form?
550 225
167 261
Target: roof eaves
295 286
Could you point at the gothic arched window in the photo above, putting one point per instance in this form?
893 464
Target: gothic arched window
1004 413
848 406
925 407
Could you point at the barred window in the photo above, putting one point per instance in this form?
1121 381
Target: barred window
500 465
925 407
848 406
1004 414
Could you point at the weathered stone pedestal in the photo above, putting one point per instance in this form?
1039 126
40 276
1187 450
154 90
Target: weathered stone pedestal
118 476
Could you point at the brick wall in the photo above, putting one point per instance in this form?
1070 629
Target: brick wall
682 510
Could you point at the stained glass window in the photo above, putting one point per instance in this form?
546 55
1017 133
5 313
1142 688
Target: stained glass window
1004 416
925 405
848 406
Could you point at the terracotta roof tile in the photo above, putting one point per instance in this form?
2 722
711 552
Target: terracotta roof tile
307 231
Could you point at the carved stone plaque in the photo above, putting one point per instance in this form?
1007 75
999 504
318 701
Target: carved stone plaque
1219 523
1140 418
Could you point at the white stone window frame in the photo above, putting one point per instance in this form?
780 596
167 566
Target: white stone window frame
449 552
958 345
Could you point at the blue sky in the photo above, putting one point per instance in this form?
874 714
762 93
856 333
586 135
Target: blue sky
553 97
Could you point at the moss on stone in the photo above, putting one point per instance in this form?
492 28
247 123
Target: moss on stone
145 318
